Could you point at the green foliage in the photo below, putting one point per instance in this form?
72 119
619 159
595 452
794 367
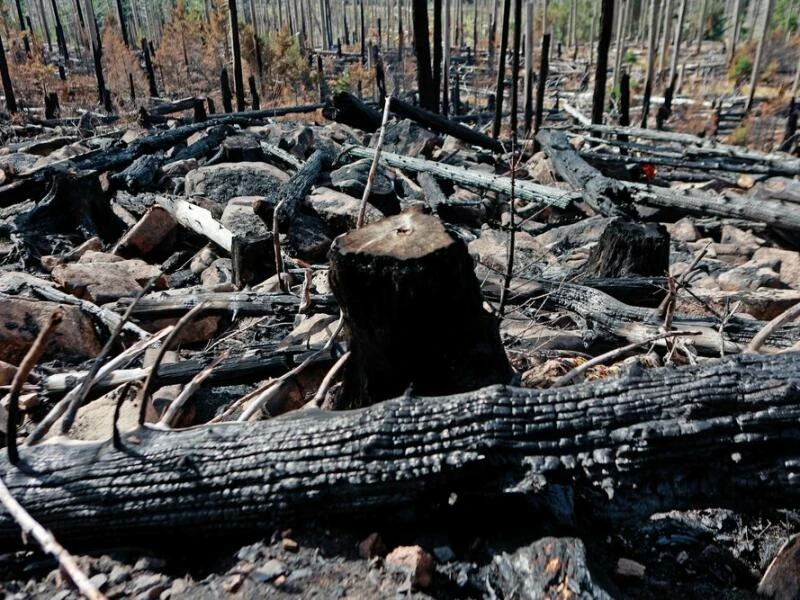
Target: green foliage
738 136
342 83
629 57
715 23
741 68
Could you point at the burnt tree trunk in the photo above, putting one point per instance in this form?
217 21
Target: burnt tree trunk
652 40
414 311
604 195
627 249
422 48
501 71
618 450
225 89
238 79
8 89
148 67
540 89
599 96
437 51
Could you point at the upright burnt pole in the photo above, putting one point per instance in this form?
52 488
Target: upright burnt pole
501 71
428 98
238 80
11 101
599 96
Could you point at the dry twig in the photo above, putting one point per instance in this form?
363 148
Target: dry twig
48 543
144 394
768 329
28 362
373 170
189 389
579 370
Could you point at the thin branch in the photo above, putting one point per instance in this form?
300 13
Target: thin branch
77 401
116 438
511 233
373 170
318 398
188 391
118 361
276 242
48 543
31 358
579 370
262 398
149 383
768 329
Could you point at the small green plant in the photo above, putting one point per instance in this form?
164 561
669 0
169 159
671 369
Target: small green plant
342 83
742 68
738 136
629 57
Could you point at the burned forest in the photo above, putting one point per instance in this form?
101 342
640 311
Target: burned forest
404 299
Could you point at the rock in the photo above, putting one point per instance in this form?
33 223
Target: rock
352 179
749 276
789 264
217 273
119 574
764 304
14 282
92 421
444 554
290 545
242 148
152 584
20 322
100 581
271 569
746 241
250 553
312 332
300 142
541 169
227 180
179 168
148 233
491 249
629 569
683 230
339 211
240 218
414 561
371 546
407 138
203 259
309 239
567 237
104 278
149 563
7 373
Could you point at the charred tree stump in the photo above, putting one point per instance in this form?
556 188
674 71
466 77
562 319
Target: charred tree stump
256 101
225 88
626 249
414 311
604 195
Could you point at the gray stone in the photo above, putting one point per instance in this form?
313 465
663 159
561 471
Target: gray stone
227 180
219 272
240 219
271 569
338 210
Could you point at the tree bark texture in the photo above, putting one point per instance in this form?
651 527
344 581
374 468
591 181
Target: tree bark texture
414 311
714 434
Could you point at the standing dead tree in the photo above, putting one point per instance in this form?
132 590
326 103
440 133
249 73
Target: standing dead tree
422 48
599 96
8 89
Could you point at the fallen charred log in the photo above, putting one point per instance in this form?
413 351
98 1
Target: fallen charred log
714 434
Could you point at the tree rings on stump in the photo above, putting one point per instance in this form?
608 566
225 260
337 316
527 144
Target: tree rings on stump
414 312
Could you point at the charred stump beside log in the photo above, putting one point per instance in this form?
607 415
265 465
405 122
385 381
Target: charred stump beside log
414 311
627 249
